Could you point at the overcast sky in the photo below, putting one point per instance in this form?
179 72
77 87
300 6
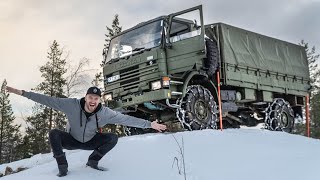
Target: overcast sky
27 28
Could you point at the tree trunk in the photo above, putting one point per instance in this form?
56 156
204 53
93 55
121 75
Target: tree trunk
1 136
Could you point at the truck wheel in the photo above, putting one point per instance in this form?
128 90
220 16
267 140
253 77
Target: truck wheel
197 109
212 60
279 116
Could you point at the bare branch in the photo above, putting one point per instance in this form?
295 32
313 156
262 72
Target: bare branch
181 151
76 77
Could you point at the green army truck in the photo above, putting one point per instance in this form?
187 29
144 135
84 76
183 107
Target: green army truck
174 68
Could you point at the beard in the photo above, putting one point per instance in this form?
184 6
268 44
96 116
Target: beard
91 106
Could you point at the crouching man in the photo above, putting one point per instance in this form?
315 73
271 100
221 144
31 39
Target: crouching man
85 116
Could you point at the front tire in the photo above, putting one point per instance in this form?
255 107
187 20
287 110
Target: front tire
198 109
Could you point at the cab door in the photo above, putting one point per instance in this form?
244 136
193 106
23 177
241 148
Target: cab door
184 44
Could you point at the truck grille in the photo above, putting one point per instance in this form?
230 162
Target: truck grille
129 78
134 78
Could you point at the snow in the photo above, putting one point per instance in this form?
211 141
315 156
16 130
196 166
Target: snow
233 154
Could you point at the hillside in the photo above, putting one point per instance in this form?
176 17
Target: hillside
236 154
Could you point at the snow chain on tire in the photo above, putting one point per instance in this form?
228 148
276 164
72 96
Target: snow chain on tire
273 113
181 112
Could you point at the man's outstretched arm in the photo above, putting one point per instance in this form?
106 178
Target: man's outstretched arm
113 117
14 91
59 104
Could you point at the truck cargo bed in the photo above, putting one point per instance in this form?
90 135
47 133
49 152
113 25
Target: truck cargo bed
260 62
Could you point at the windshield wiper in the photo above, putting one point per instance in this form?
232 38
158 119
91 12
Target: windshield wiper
138 49
113 60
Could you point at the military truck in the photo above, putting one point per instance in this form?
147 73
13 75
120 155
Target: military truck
176 69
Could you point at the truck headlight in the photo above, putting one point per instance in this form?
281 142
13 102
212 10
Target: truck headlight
156 85
107 97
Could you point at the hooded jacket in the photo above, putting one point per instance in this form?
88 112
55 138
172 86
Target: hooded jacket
79 126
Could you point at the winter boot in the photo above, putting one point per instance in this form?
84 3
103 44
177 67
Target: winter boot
94 160
62 164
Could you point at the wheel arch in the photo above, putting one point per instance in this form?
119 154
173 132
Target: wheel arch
196 78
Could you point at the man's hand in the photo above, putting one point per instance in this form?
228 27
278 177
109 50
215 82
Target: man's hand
159 127
13 90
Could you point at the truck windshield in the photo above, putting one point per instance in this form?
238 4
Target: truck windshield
144 37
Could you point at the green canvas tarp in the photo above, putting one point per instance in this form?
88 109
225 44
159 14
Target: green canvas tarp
248 50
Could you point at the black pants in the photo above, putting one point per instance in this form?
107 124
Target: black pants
101 142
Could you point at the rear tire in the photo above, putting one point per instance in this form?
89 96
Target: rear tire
279 116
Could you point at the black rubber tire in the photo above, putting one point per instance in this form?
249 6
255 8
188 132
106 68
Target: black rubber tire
212 60
199 107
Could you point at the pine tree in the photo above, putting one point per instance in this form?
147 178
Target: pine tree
313 58
315 115
24 148
44 118
37 131
314 108
10 136
114 30
313 66
53 83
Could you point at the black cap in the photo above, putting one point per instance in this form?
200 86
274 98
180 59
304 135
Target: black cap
94 90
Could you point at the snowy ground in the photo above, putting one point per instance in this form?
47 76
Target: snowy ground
236 154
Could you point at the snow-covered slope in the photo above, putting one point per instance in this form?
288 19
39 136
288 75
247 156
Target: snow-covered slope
238 154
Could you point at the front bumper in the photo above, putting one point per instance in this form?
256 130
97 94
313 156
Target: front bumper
130 100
